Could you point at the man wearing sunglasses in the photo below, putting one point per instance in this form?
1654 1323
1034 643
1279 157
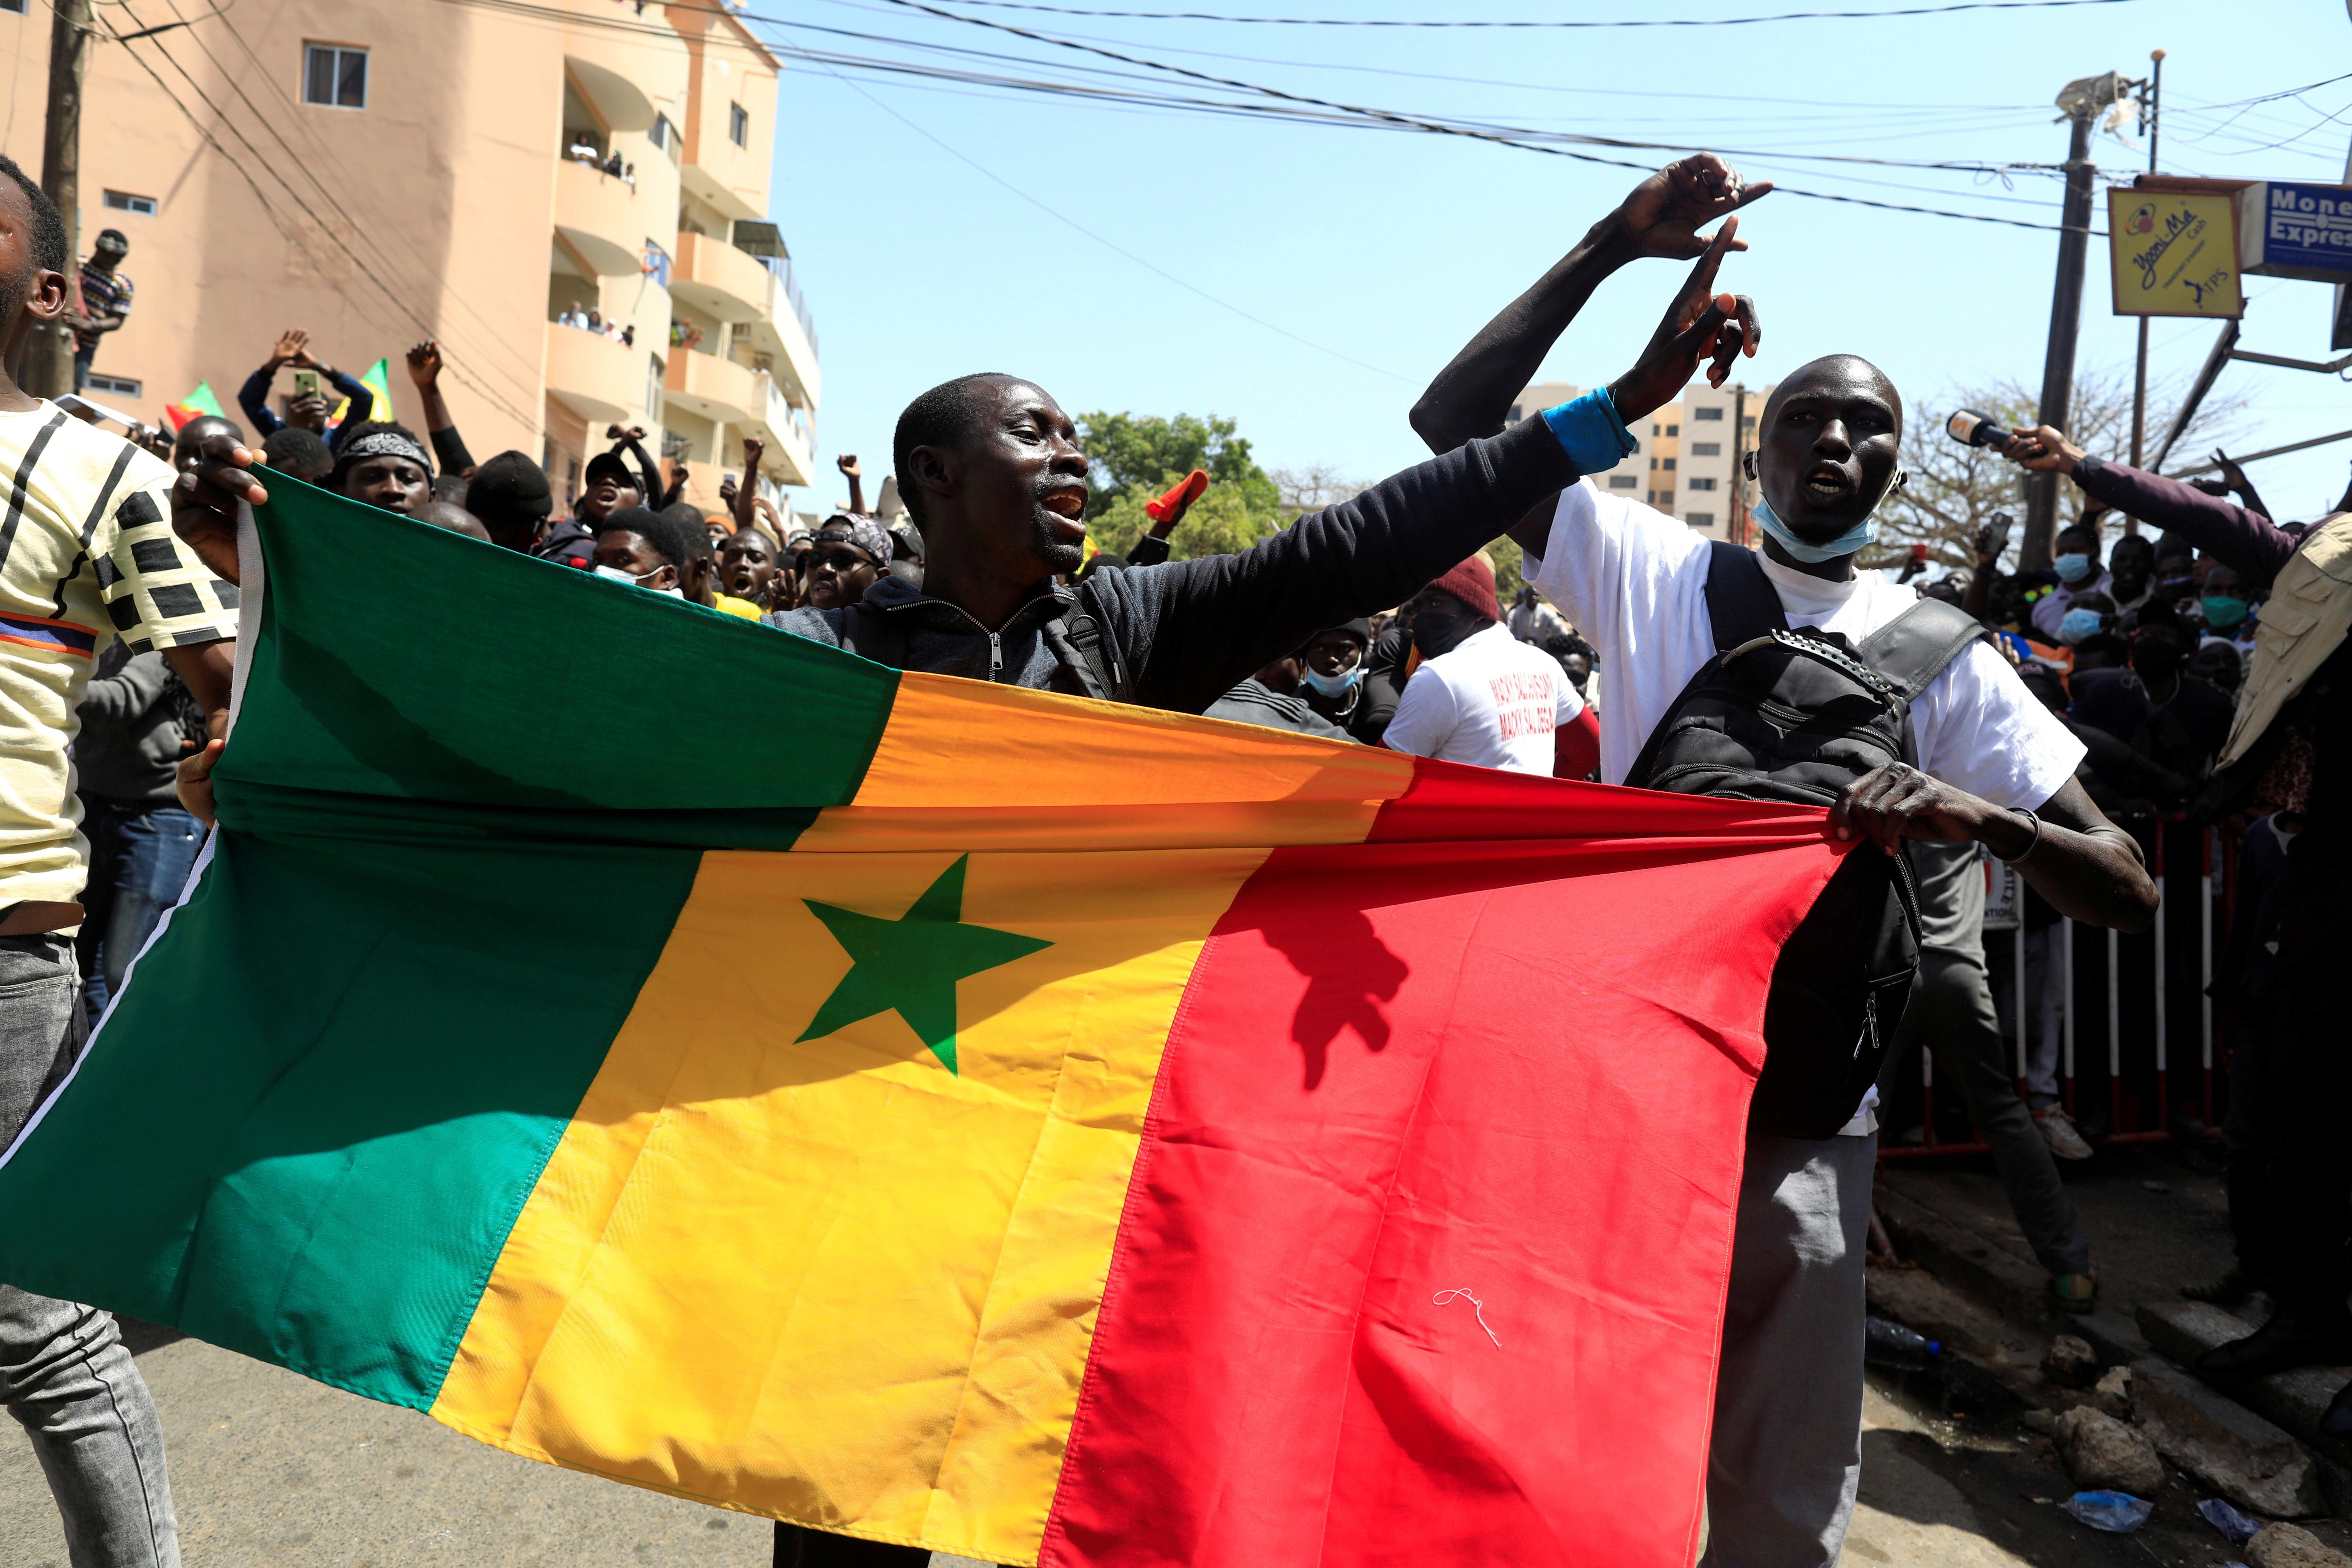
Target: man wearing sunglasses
846 558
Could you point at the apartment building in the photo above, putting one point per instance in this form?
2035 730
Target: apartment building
1687 462
480 172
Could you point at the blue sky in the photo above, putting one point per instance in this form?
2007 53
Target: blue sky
1383 251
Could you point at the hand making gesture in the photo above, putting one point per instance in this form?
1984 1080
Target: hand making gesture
293 348
425 364
1700 325
1662 214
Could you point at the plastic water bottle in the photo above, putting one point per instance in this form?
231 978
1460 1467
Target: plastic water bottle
1891 1345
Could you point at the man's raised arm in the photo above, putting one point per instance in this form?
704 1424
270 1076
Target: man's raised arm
1662 216
1223 616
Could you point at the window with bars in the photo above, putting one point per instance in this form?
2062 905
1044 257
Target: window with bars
1704 413
124 202
335 75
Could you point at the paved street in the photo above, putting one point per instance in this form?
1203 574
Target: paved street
272 1471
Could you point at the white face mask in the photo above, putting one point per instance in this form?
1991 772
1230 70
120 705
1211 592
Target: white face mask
617 576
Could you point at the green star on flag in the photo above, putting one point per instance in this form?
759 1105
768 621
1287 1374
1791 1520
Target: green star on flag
910 965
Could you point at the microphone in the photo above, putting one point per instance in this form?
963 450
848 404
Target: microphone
1971 428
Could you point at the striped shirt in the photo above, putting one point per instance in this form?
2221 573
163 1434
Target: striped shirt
102 294
87 555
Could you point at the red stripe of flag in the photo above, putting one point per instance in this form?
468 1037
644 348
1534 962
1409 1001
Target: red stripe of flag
1424 1260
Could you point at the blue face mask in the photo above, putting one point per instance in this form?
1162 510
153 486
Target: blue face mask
1861 533
1334 685
2222 612
2076 624
2072 568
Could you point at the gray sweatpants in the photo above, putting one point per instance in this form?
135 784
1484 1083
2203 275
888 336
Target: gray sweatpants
1787 1451
1952 1013
64 1373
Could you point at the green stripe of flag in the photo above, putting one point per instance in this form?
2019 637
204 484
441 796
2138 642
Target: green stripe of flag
403 660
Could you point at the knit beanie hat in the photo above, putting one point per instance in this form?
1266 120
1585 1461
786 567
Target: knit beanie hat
1472 583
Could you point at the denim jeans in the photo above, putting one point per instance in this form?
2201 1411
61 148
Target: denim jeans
139 862
64 1373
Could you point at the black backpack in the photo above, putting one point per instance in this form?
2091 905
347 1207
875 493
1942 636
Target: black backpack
1796 716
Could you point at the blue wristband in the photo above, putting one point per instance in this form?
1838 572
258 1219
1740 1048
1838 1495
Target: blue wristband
1589 431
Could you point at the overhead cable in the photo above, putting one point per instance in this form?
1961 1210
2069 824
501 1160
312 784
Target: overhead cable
269 168
1420 123
1627 22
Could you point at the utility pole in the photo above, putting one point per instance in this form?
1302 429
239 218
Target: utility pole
2079 104
2151 105
48 360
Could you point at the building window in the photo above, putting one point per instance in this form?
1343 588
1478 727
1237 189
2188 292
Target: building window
121 385
1706 449
664 135
1706 414
1674 429
1667 464
1624 482
1699 518
1698 484
654 385
15 6
1517 414
1749 423
124 202
335 76
739 125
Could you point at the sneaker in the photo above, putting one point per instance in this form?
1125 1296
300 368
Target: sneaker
2058 1132
2075 1292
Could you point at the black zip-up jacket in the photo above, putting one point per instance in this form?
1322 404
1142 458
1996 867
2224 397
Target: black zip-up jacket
1187 632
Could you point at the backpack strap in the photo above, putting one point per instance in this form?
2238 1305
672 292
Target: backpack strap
1085 647
1913 649
1740 603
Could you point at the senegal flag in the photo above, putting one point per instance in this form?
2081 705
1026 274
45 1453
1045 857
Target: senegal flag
927 1110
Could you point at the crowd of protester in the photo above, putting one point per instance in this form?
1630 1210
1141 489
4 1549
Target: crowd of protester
2069 717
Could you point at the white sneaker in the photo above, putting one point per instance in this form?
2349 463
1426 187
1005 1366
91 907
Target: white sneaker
2058 1131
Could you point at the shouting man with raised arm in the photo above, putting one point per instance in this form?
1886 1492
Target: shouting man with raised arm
990 468
1993 766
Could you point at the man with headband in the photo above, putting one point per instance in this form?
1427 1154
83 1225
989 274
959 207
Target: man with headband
385 465
1994 766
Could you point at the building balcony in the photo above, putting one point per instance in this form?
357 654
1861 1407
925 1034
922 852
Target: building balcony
596 378
790 459
711 278
599 216
609 83
780 331
717 389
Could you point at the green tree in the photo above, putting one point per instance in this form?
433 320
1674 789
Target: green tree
1137 456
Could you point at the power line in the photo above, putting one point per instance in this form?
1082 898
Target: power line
306 165
323 153
1064 219
270 169
1290 107
1434 127
1637 22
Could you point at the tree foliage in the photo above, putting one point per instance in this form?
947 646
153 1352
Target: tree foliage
1955 490
1137 456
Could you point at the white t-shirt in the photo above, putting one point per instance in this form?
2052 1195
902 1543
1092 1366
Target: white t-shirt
1491 700
1634 581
